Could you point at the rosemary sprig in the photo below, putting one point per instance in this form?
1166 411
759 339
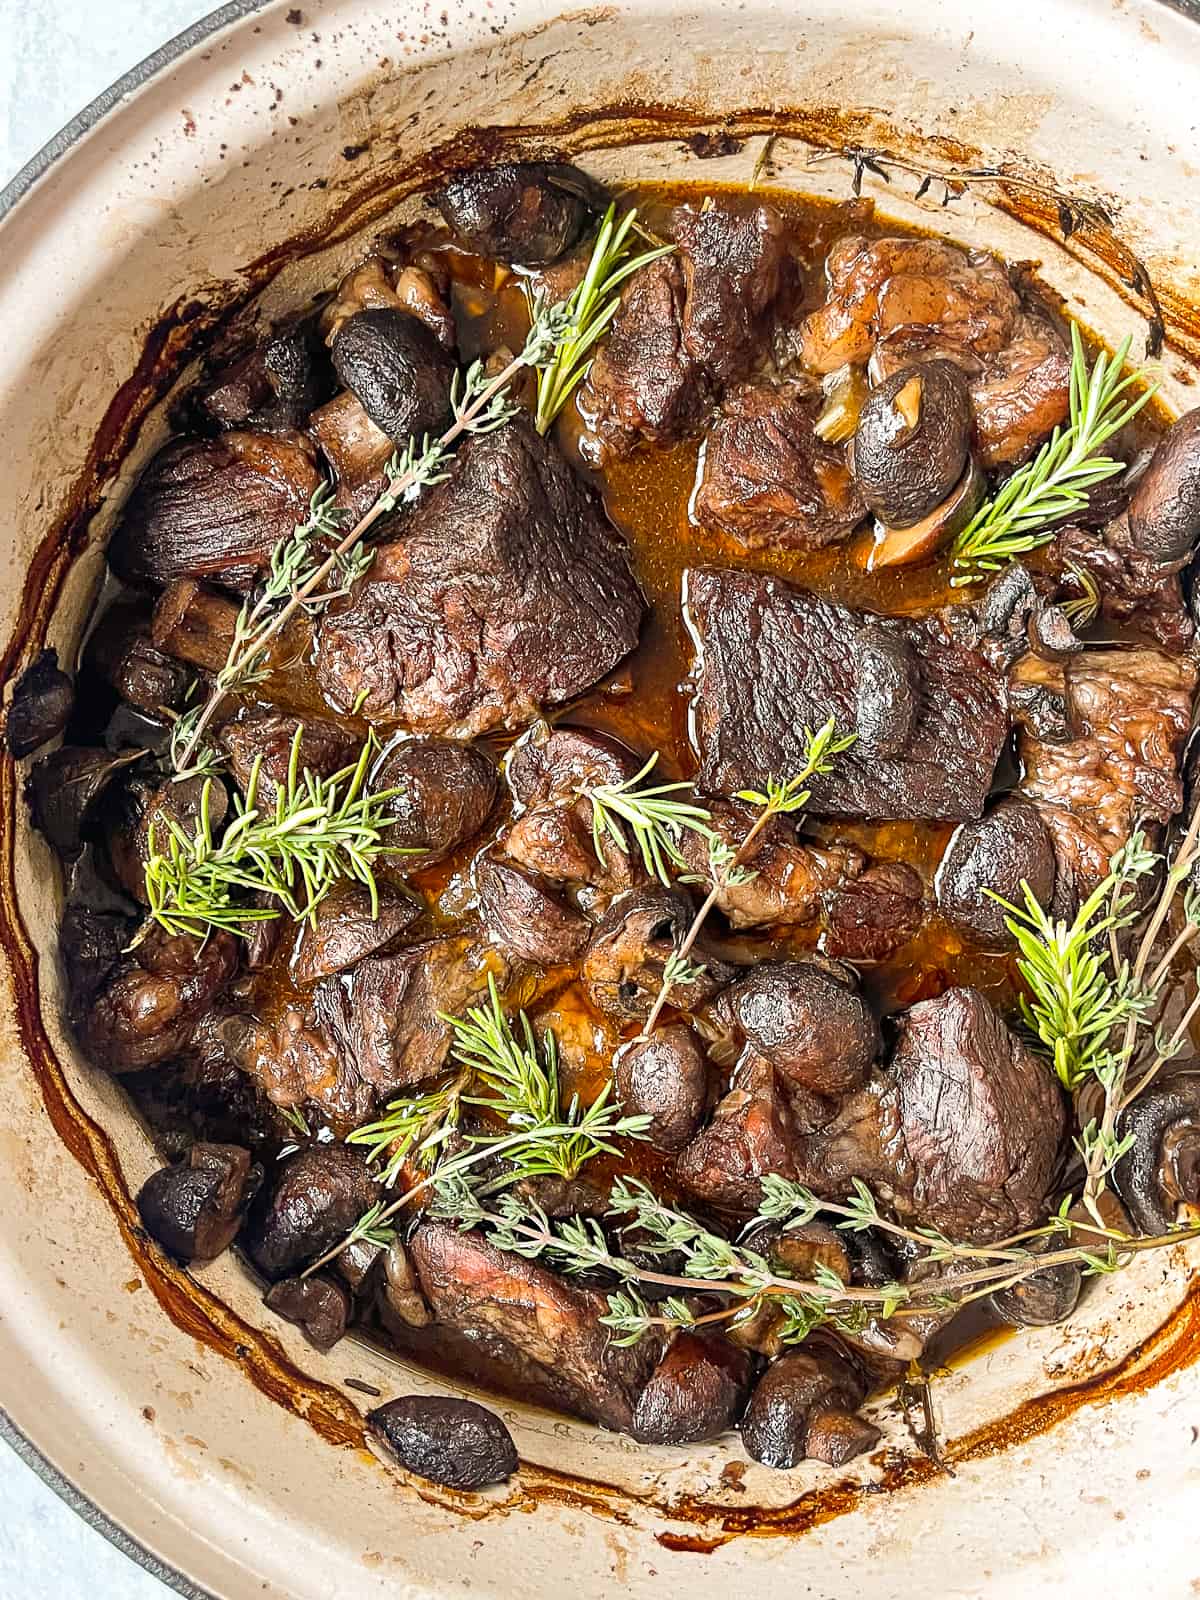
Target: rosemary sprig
418 1126
1016 519
296 584
539 1136
726 863
654 816
320 830
591 306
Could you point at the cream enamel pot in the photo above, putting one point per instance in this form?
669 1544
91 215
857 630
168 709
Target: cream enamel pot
245 165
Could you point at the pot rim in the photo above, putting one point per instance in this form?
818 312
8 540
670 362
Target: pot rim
22 183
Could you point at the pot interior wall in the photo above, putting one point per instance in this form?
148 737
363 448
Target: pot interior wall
235 187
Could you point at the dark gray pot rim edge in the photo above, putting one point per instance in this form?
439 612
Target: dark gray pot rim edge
36 167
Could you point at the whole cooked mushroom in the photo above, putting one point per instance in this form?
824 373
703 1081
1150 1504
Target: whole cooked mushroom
804 1406
899 547
1164 510
1161 1169
195 1207
666 1078
398 369
912 442
41 706
888 697
530 212
1000 852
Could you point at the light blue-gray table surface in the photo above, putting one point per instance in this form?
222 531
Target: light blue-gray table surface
55 56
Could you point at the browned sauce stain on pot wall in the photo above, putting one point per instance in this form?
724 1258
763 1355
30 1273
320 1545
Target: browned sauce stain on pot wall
174 337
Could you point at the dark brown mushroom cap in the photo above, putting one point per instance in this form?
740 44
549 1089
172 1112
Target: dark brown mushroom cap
1008 846
213 508
317 1198
195 1207
62 790
695 1393
1042 1298
912 442
399 371
319 1305
454 1442
1164 510
1161 1169
888 698
666 1078
624 963
41 706
444 795
808 1022
526 212
797 1390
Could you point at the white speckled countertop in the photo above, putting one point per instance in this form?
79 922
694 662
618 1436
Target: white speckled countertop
58 55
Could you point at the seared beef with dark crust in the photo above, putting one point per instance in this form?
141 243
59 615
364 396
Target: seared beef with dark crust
524 916
526 212
445 793
533 1321
1133 587
768 480
688 324
275 386
385 1017
213 508
507 591
752 1133
962 1131
773 659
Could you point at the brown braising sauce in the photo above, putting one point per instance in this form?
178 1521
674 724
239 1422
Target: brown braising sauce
646 705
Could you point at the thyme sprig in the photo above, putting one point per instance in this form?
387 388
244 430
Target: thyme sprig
318 831
1018 517
655 816
297 576
591 306
743 1276
726 863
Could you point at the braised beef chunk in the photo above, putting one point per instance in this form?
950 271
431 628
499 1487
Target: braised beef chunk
643 384
803 1406
773 659
348 927
752 1133
1008 847
1127 714
508 592
213 508
875 915
767 479
664 1077
548 771
399 370
138 807
529 213
318 1304
40 707
807 1020
149 1006
525 916
695 1393
447 1440
260 734
195 1207
624 963
688 324
121 651
444 794
1134 589
788 880
386 1017
275 386
533 1321
733 266
315 1197
194 623
963 1129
